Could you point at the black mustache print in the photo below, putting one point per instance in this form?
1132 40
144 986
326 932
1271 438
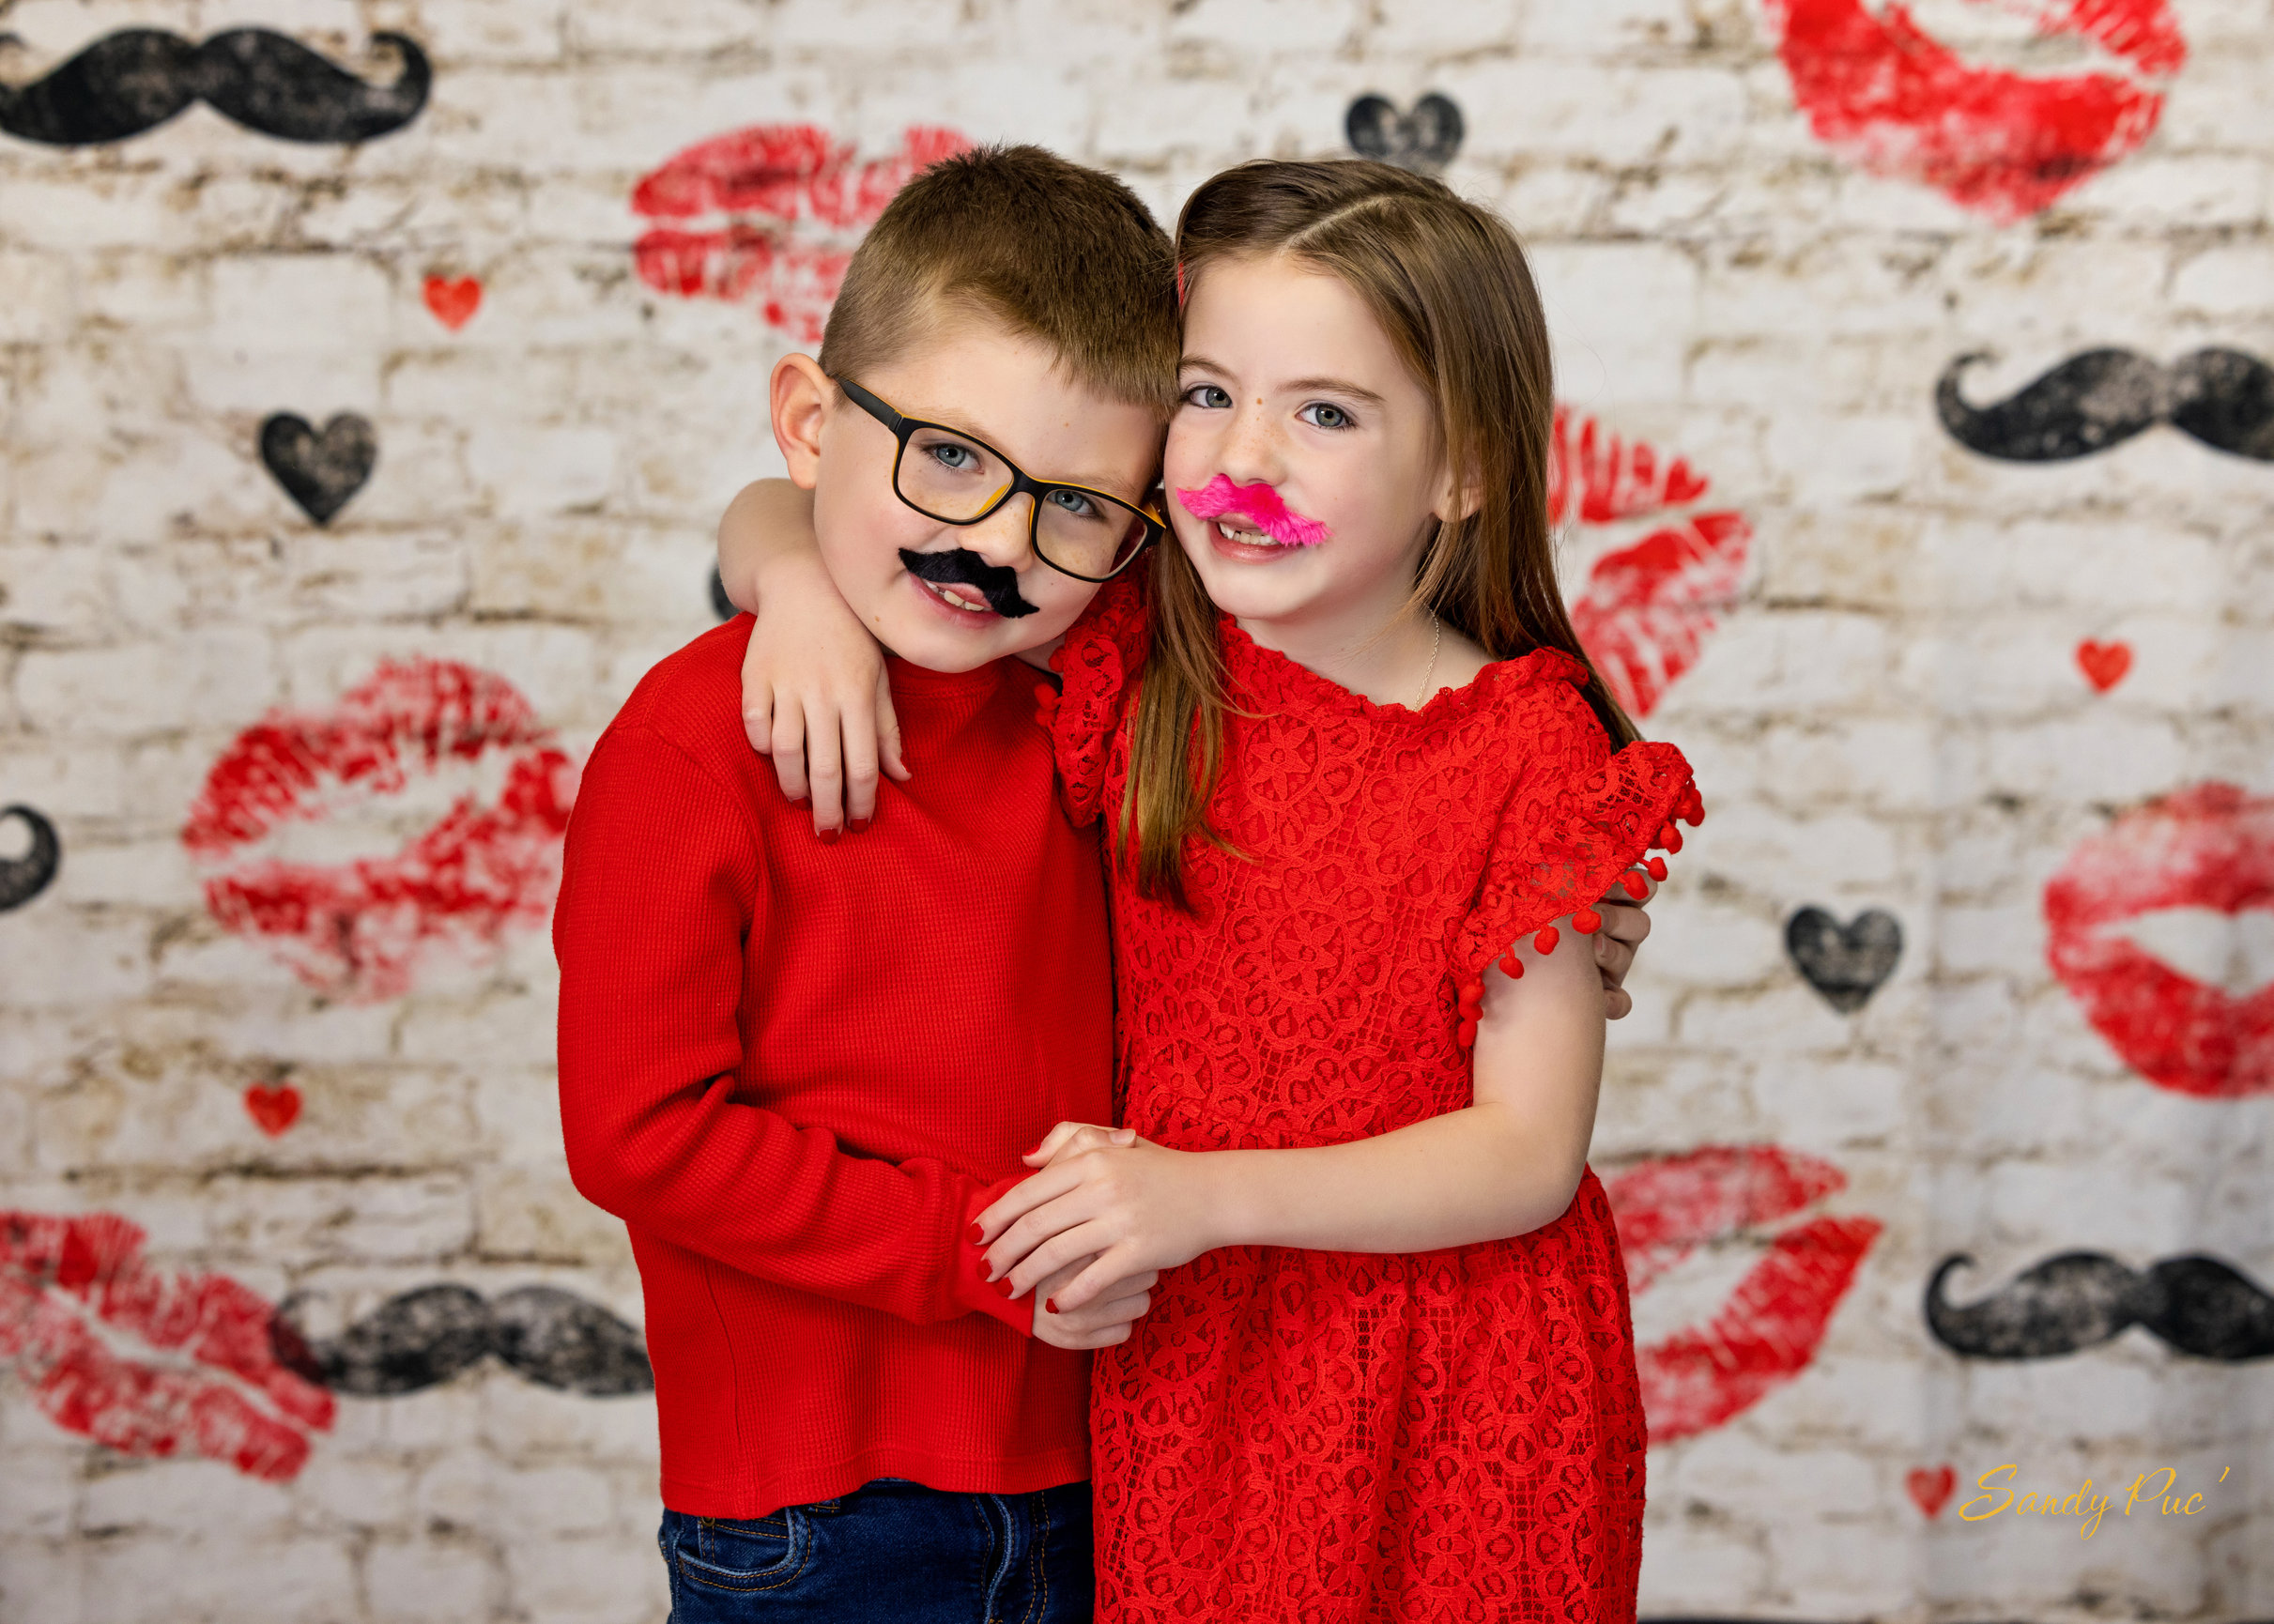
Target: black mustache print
427 1336
24 878
2198 1305
1424 139
962 567
321 470
1845 963
2101 397
138 78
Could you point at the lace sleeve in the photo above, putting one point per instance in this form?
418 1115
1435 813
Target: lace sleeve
1578 820
1098 661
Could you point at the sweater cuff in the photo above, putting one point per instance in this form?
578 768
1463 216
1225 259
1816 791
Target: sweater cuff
973 1290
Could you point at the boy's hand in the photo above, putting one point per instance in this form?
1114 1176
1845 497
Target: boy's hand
1099 1323
1624 925
1126 1208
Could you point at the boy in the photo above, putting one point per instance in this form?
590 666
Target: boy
798 1069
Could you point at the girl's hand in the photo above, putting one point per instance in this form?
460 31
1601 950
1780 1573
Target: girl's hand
1094 1324
815 694
1130 1209
1069 1137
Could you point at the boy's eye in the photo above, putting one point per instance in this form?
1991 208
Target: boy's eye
1320 414
1209 396
1073 503
953 457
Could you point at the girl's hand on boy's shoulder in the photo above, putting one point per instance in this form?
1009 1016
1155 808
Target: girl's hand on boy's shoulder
815 696
817 700
1127 1204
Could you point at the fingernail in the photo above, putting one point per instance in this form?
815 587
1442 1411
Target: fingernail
1004 1286
828 837
978 1233
1049 1305
860 825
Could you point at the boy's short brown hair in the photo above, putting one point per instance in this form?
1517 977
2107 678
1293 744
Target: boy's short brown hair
1053 250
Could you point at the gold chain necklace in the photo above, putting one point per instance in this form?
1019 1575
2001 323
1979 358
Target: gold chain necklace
1424 697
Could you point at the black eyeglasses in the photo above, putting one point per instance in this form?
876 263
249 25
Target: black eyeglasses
946 475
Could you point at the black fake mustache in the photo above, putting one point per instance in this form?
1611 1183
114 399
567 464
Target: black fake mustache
2102 397
425 1337
138 78
24 878
962 567
2198 1305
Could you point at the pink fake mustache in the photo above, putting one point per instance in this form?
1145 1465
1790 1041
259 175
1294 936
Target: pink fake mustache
1259 504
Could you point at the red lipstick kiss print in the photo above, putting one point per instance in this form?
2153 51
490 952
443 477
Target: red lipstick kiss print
2104 665
2181 872
786 203
1767 1328
181 1365
1647 608
1930 1491
1897 103
358 929
453 302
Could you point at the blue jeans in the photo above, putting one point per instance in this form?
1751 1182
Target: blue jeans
890 1550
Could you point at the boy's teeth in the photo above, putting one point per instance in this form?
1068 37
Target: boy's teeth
949 595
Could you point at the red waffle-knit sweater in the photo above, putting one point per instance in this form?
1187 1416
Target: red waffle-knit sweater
798 1071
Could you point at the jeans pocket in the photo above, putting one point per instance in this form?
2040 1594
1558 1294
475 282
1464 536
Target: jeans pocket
744 1555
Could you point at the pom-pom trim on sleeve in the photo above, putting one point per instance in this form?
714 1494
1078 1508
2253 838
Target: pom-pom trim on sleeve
1561 851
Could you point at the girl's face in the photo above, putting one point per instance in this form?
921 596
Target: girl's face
1289 382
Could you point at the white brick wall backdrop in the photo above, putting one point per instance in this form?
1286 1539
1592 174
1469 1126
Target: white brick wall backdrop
1891 714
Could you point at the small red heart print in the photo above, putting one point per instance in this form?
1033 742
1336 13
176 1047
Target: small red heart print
453 302
1931 1490
2104 665
272 1110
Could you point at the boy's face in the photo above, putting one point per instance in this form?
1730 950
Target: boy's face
933 592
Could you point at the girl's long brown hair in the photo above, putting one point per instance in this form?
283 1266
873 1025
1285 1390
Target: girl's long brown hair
1448 283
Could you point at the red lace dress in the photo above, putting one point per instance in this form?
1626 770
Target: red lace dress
1325 1436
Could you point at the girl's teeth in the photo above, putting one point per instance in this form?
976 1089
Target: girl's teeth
1244 537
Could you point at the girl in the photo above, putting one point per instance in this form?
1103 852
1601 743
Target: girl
1358 776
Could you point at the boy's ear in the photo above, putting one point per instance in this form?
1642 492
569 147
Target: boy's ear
798 396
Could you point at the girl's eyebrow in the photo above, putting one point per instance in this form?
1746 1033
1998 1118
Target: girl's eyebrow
1335 386
1340 386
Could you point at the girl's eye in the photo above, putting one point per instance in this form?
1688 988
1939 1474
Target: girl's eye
1207 395
1320 414
956 459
